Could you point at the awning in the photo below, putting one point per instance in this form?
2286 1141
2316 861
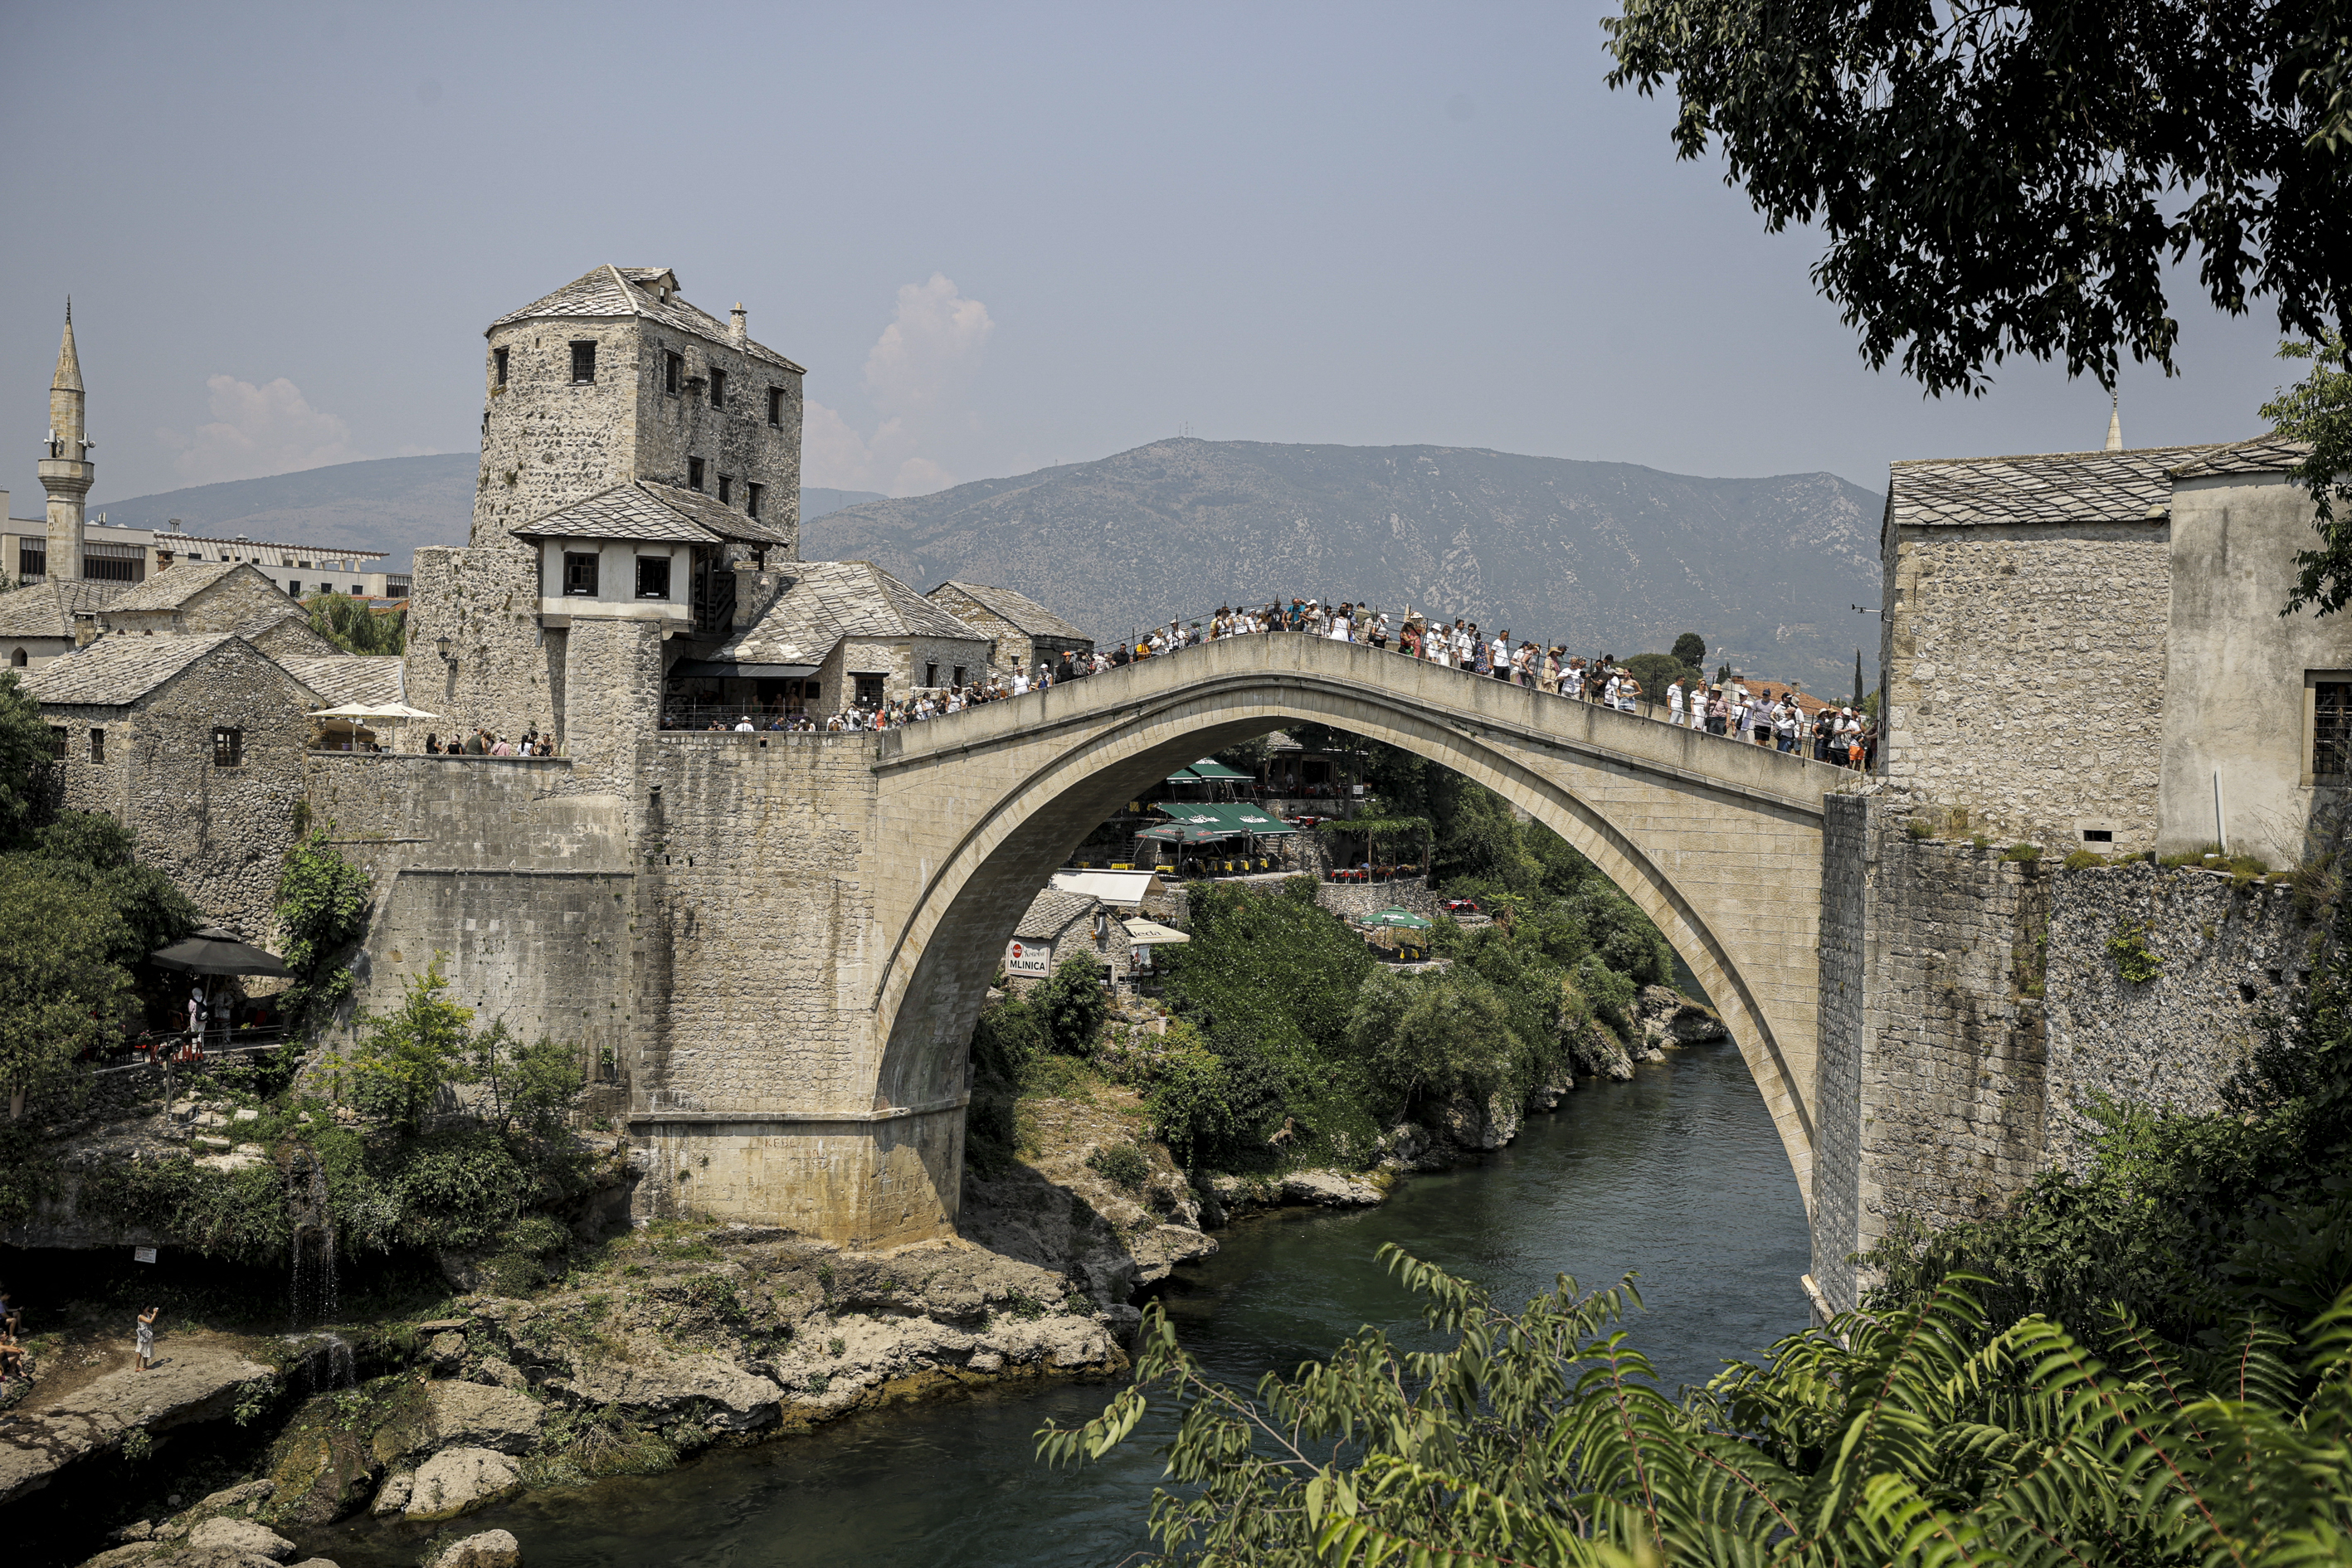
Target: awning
1405 919
210 950
728 669
1209 770
1151 933
373 712
1226 816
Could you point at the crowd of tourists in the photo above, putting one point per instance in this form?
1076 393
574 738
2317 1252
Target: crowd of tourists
1781 719
491 743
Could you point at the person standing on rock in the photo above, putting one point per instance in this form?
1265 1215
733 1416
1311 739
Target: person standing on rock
147 1338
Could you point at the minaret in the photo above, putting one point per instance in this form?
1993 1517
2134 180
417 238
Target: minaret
67 470
2115 422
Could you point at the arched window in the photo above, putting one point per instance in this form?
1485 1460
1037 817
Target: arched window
18 658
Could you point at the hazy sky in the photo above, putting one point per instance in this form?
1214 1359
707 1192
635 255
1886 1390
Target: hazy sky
998 236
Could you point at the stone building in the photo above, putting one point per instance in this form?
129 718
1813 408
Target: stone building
1019 629
2086 647
1068 928
194 742
612 385
212 596
820 637
38 621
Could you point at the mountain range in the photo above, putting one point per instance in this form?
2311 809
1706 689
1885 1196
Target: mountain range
1603 557
1600 556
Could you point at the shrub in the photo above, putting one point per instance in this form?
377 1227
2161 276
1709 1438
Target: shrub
2023 852
322 907
1121 1165
407 1057
2084 860
2134 960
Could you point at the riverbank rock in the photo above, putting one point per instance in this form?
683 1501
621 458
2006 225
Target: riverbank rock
712 1392
476 1415
241 1536
1666 1017
191 1382
490 1548
459 1481
1595 1051
1329 1189
322 1472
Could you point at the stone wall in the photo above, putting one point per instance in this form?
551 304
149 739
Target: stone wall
2024 675
2228 953
613 692
1344 899
524 888
1847 843
503 673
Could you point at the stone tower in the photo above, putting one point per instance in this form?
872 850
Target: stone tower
66 469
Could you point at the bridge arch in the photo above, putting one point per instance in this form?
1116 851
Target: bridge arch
1718 843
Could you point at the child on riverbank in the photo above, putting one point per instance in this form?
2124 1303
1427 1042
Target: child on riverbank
147 1338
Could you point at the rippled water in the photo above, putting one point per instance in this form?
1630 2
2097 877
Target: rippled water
1679 1175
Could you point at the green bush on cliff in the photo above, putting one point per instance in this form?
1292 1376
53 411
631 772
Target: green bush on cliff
322 911
239 1216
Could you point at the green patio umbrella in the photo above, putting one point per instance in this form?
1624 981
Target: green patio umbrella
1404 918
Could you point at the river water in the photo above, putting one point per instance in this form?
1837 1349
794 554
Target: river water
1679 1175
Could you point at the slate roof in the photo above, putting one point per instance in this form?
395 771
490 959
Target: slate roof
1050 914
47 608
624 511
115 671
341 678
2262 455
1033 618
170 590
2056 487
830 600
633 291
720 519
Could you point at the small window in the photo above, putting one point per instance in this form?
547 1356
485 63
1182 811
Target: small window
294 587
58 741
673 371
499 365
359 590
229 747
694 473
726 489
869 691
959 675
2098 835
930 675
776 406
753 495
579 573
652 576
97 745
17 659
583 363
718 388
2331 728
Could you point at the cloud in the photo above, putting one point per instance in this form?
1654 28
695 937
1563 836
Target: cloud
916 374
258 430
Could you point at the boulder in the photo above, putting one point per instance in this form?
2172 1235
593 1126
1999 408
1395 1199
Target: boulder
242 1536
393 1495
1329 1189
323 1473
477 1415
490 1548
459 1481
715 1392
130 1556
446 1353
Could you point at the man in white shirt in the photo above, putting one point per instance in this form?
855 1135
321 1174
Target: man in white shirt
743 725
1675 710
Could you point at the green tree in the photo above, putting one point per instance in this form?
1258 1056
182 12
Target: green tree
99 853
1690 648
62 991
1074 1003
2001 181
1435 1035
350 625
25 758
1657 671
2318 409
407 1057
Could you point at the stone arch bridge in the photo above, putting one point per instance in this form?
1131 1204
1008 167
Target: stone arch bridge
816 917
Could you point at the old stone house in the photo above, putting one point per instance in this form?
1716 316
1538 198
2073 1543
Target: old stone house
1068 928
199 597
823 635
1020 631
195 744
2086 647
38 621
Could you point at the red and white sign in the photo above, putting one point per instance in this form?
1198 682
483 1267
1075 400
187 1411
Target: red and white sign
1035 959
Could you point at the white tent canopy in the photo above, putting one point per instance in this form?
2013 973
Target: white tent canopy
373 712
1151 933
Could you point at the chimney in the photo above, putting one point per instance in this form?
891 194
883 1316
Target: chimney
85 628
736 332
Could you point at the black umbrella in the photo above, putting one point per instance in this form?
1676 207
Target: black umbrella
211 951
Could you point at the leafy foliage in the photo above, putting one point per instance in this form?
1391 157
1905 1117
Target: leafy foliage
2318 409
1995 181
1917 1434
350 625
1690 648
322 907
406 1058
62 990
25 758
